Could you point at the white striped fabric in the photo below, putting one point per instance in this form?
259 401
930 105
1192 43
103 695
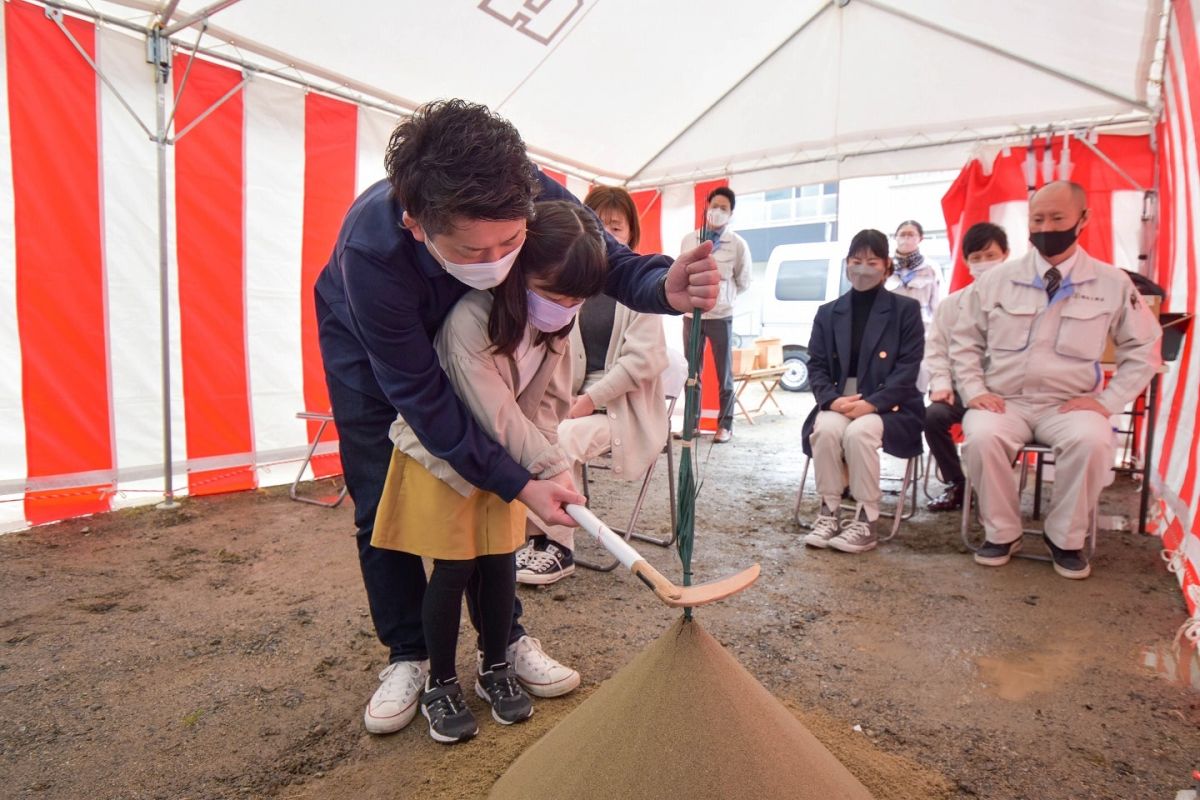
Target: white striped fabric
12 413
374 128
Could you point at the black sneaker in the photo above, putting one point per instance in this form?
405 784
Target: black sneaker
992 554
450 720
545 565
1071 564
508 699
949 500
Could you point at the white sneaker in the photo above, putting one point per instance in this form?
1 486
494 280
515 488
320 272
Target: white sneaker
540 674
394 703
824 528
523 552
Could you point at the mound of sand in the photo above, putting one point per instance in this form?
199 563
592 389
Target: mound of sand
682 720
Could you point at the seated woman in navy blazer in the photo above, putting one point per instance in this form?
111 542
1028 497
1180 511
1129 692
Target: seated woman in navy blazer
864 355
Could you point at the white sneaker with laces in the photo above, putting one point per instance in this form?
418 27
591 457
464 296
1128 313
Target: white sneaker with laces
540 674
394 703
522 554
824 528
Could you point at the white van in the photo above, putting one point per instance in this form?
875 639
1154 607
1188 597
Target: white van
801 277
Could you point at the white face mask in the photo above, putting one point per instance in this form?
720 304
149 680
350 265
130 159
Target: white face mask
546 315
863 276
478 276
717 217
977 268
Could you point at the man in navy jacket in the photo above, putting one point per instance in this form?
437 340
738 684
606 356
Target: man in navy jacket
451 215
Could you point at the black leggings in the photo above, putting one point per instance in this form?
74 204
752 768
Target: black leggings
492 584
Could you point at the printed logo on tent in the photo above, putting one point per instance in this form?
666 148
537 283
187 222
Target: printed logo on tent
540 20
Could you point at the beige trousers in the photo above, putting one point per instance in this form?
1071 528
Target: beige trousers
842 446
582 439
1083 459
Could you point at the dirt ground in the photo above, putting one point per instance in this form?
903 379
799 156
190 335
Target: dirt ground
224 650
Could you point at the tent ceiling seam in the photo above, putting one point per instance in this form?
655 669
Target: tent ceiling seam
991 48
546 57
802 27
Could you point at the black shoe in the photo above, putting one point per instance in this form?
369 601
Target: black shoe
997 555
949 500
499 687
545 564
450 720
1071 564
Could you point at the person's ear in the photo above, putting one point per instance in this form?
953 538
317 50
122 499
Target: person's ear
1084 219
412 226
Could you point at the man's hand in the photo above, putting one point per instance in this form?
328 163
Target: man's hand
842 403
693 280
859 408
546 498
1086 403
942 396
582 407
987 402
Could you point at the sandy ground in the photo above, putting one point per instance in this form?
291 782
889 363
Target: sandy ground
224 650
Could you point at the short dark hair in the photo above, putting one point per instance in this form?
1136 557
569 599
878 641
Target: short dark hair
614 198
872 241
915 224
980 235
564 247
454 159
727 193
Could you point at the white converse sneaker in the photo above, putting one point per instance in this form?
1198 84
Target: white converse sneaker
857 536
394 703
540 674
547 565
522 554
824 528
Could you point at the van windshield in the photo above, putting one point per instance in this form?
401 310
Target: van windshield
802 280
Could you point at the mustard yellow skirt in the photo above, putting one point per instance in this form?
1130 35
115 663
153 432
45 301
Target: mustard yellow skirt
420 514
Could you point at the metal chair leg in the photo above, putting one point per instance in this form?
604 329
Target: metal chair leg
800 492
293 490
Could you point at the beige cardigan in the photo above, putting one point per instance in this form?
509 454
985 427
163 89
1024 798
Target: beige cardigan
526 425
631 391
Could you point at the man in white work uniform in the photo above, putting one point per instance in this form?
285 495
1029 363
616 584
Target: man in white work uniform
732 254
1025 353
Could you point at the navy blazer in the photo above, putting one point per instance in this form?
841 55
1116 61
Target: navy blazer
381 299
888 362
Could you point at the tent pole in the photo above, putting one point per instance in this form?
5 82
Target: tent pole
160 49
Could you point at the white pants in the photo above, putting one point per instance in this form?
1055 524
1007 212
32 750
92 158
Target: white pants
842 446
1083 459
582 439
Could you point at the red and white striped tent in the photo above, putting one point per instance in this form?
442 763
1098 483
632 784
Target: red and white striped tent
209 199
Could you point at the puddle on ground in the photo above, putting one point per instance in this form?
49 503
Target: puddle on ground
1176 664
1019 675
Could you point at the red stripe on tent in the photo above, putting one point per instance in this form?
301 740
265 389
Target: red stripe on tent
330 133
701 192
558 177
209 207
59 261
1176 411
649 211
970 199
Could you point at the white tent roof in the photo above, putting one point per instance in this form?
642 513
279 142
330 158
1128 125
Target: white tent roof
675 90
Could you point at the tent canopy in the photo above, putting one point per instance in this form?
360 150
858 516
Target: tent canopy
654 93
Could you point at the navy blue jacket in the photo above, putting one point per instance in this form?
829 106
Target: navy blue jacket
381 299
888 362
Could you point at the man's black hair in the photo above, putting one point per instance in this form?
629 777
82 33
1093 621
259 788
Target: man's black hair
726 192
457 160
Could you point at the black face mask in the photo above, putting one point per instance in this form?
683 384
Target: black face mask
1053 243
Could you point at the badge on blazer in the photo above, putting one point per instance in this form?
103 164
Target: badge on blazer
883 353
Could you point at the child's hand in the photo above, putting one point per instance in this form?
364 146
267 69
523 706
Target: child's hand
546 498
583 406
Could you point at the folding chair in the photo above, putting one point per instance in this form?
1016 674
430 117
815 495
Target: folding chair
1038 453
673 379
324 418
912 472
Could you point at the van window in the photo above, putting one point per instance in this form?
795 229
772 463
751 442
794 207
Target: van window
802 280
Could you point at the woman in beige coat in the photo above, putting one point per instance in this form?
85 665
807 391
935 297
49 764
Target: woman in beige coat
505 352
617 357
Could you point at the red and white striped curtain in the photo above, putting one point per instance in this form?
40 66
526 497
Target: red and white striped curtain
258 188
1176 268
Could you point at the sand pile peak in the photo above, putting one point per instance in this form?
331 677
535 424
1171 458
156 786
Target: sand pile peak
683 720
